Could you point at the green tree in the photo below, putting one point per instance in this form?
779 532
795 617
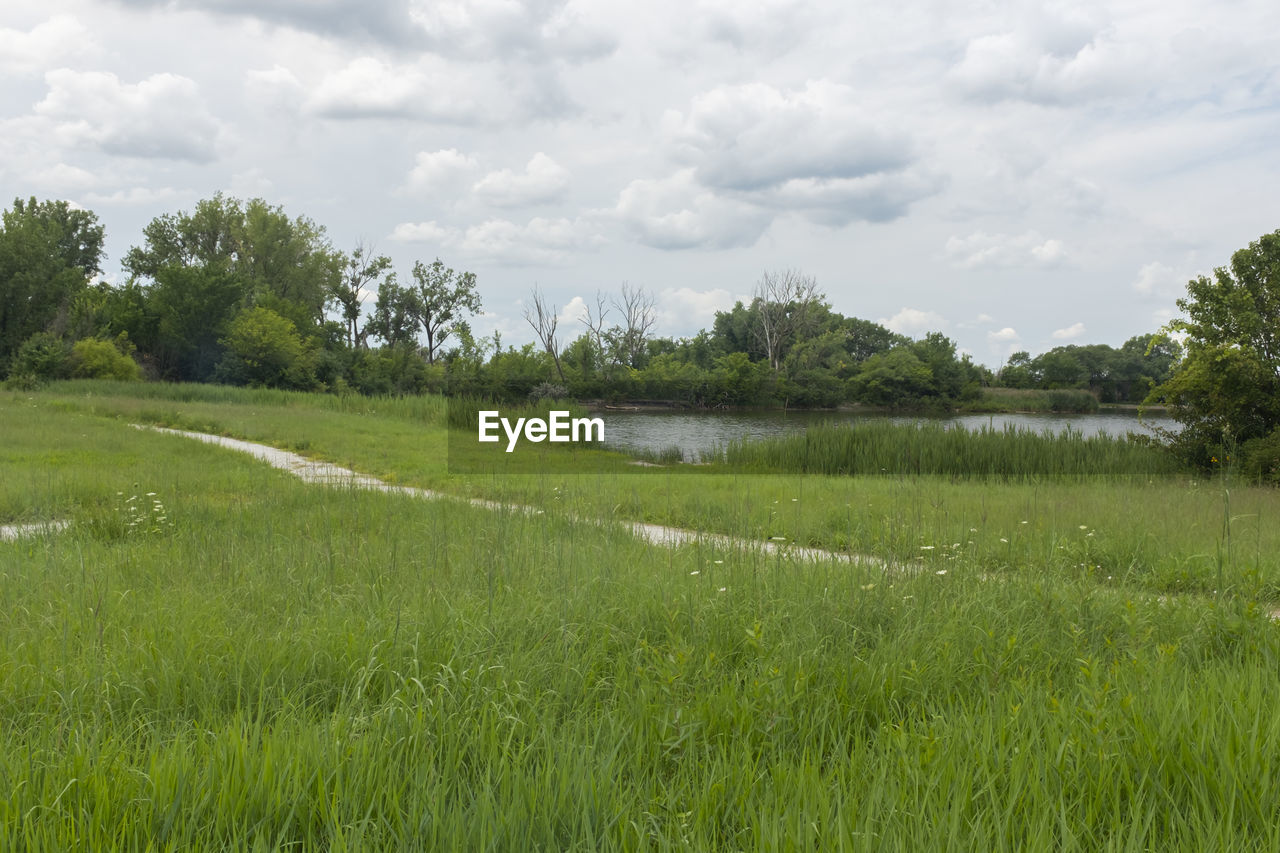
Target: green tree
893 378
443 297
284 264
48 252
360 271
1226 390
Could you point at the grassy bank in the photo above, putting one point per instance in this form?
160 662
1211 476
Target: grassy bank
275 665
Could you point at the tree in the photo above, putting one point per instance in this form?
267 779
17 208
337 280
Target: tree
630 339
287 265
361 270
442 298
48 252
395 317
785 302
543 319
1227 388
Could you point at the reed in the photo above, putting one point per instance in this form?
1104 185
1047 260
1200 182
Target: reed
872 448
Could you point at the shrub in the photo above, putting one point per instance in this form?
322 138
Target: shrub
41 357
94 358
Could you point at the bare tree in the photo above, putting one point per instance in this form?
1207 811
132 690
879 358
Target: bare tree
361 270
784 302
637 307
594 321
544 321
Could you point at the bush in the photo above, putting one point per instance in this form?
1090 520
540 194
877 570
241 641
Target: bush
42 357
94 358
1260 459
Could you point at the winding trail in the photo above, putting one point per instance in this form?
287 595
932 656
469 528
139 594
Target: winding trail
10 532
328 474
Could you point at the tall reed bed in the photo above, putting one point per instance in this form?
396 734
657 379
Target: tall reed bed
905 449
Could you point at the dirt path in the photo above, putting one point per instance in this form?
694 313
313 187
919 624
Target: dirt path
9 532
326 473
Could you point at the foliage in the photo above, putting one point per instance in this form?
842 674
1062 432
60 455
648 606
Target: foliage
265 349
1227 389
48 252
93 358
43 356
273 257
1112 375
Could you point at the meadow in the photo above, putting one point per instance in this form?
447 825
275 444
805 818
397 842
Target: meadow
214 654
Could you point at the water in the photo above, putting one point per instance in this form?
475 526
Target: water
698 433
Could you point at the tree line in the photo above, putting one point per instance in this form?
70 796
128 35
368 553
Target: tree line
240 292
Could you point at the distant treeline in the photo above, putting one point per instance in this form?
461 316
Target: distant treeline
240 293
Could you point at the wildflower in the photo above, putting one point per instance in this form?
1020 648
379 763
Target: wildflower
1084 527
695 572
940 572
868 586
777 538
926 547
723 588
973 530
718 562
1005 541
1023 522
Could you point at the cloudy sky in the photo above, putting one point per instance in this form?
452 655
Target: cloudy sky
1016 175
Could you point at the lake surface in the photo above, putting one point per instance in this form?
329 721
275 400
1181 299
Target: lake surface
698 433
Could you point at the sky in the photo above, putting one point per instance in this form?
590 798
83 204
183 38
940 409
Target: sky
1017 176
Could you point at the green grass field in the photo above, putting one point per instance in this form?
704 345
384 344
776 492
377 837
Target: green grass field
258 663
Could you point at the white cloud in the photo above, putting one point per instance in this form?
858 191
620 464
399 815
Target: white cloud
571 315
276 87
542 181
63 177
677 213
1005 335
1160 281
912 322
540 241
686 309
422 232
441 171
1070 333
162 116
53 42
135 196
1050 59
1003 250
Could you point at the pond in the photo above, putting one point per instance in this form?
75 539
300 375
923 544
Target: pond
698 433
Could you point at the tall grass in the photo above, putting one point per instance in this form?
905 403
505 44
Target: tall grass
425 408
871 447
1064 400
286 666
